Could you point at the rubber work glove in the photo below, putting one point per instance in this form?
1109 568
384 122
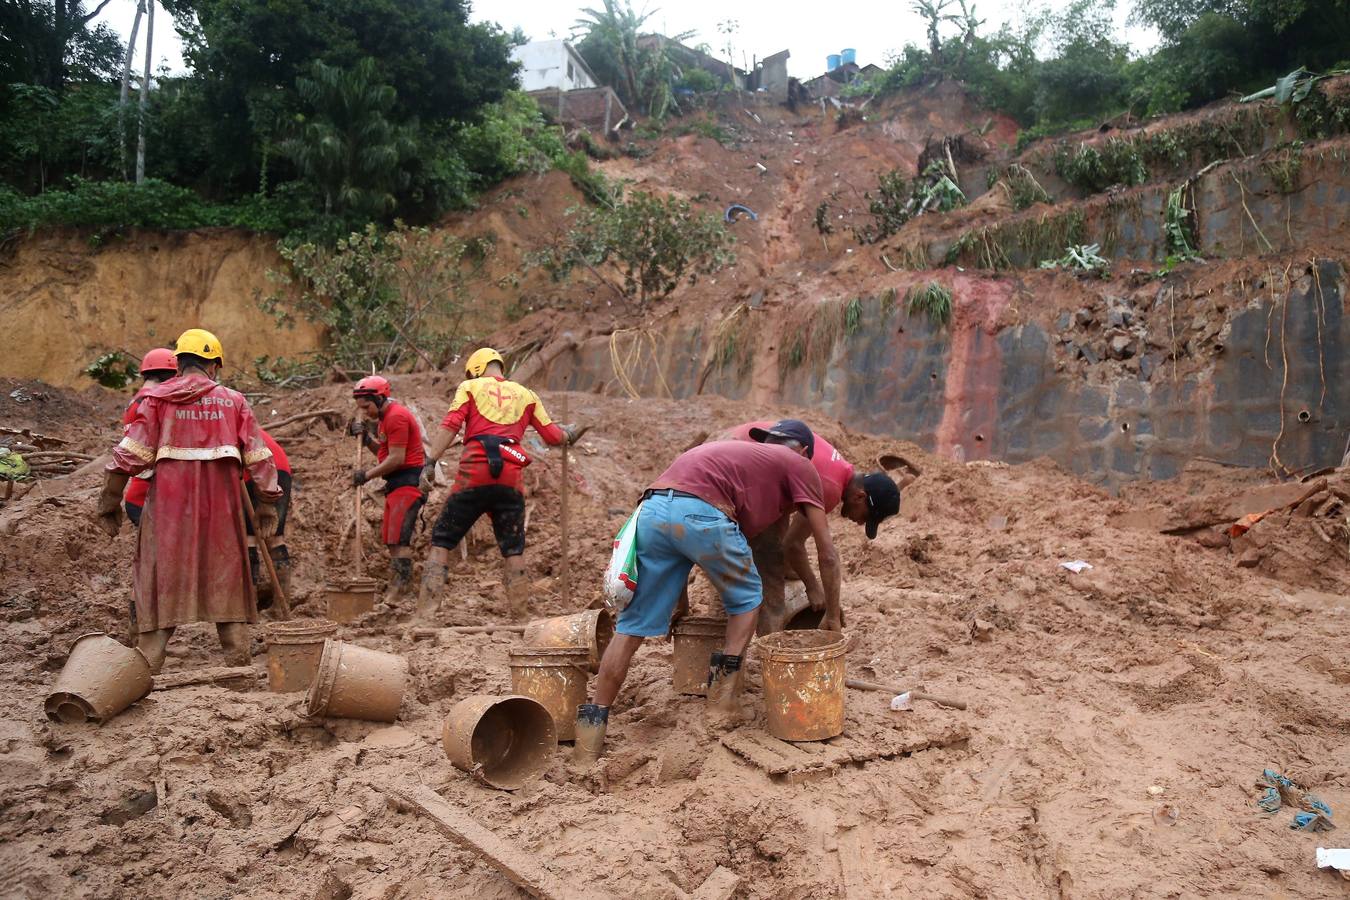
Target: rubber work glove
574 433
359 477
108 513
427 482
267 521
355 427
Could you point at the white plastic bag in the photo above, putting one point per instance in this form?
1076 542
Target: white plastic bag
621 575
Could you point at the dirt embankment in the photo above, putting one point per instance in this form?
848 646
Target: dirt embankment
1167 675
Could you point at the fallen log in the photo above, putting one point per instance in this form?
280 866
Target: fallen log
423 633
523 869
300 417
860 685
214 675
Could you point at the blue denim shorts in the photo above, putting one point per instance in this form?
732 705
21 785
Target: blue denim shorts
673 535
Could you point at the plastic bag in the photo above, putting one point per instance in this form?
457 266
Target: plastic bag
621 574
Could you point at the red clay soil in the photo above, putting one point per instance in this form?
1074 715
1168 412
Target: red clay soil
1166 678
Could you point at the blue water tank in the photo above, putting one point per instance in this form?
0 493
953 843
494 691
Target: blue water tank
848 55
831 62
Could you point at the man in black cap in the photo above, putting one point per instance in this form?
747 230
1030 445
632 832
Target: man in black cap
865 499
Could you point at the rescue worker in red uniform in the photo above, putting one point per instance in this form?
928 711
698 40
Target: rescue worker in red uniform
397 445
158 365
276 544
494 414
190 561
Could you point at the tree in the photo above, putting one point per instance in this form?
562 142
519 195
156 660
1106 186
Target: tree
642 73
50 43
348 149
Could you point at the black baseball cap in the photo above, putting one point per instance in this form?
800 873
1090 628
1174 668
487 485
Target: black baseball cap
883 500
788 429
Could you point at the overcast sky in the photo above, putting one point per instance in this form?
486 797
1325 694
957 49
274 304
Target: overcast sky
762 27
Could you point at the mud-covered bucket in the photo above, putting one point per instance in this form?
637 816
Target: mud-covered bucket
502 741
101 678
590 630
350 600
696 637
803 683
293 652
556 678
357 683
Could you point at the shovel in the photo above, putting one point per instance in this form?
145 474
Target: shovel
283 604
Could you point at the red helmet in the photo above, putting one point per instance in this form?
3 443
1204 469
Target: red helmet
160 359
372 386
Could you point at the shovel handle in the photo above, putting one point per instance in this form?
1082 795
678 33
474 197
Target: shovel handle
265 553
860 685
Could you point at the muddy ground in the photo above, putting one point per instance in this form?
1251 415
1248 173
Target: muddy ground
1166 676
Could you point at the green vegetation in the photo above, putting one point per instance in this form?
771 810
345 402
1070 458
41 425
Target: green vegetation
1021 242
1066 69
387 298
656 242
897 200
931 300
113 369
1023 188
1085 259
643 74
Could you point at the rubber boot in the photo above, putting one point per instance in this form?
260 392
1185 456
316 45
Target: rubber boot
515 587
434 578
235 640
154 645
724 682
281 561
400 568
592 722
262 585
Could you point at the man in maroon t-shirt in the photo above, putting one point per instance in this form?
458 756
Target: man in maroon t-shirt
700 511
865 499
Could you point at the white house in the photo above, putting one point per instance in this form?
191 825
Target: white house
552 65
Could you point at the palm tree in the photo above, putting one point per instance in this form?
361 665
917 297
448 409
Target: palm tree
611 35
348 148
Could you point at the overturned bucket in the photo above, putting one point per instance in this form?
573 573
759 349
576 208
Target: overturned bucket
293 652
350 600
502 741
803 683
556 678
590 630
357 683
696 637
101 678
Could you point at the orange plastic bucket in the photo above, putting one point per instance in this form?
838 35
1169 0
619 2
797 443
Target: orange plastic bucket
803 683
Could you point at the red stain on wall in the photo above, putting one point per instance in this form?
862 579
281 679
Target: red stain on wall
974 369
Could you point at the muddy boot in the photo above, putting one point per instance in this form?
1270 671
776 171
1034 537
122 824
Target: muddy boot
434 578
592 722
235 641
400 577
262 585
154 645
515 588
724 684
281 561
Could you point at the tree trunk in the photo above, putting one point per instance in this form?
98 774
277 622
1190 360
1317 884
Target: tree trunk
126 90
145 93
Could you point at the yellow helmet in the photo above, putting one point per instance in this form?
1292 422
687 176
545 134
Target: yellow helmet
478 362
199 342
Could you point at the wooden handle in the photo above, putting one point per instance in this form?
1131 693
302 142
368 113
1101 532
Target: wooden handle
265 553
356 522
892 689
566 568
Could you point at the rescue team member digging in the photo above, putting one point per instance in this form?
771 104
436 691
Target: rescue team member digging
157 366
276 544
865 499
494 414
189 567
397 445
701 511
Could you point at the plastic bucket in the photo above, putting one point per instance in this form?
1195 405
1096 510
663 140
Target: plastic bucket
848 55
803 683
101 678
504 742
696 637
357 683
805 619
350 600
293 653
556 678
590 630
831 62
